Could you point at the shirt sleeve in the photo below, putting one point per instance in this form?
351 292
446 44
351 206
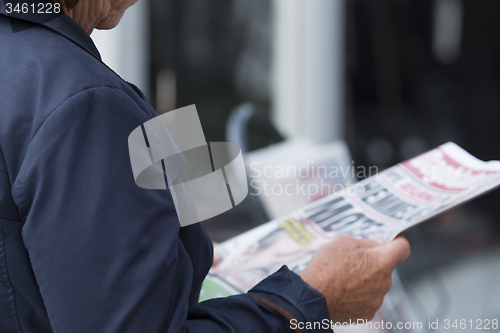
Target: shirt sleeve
107 255
293 304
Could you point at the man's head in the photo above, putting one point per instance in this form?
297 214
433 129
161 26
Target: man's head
96 14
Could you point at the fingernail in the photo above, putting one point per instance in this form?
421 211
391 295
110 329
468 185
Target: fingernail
381 240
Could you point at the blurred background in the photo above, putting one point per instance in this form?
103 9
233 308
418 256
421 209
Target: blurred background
392 78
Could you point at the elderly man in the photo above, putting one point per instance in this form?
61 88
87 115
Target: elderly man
83 249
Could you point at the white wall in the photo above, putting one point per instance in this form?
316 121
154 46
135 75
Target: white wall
308 68
125 48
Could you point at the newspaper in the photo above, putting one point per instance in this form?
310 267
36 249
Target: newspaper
382 205
319 169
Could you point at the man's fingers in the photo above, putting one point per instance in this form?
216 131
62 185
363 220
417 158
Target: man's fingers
397 251
364 242
370 243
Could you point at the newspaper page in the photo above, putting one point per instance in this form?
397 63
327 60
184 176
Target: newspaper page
385 204
279 166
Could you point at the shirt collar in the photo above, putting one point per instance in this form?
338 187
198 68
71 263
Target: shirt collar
61 24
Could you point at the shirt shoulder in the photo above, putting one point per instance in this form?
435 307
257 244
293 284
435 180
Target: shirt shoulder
40 71
42 68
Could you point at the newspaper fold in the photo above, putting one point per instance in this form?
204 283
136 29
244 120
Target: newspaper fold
383 205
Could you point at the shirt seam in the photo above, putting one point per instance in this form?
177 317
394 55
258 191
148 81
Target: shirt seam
276 308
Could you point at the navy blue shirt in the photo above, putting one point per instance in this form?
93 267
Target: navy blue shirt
82 247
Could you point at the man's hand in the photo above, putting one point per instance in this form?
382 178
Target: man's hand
354 274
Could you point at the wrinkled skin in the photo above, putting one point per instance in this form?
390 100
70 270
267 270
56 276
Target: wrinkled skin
98 14
354 275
